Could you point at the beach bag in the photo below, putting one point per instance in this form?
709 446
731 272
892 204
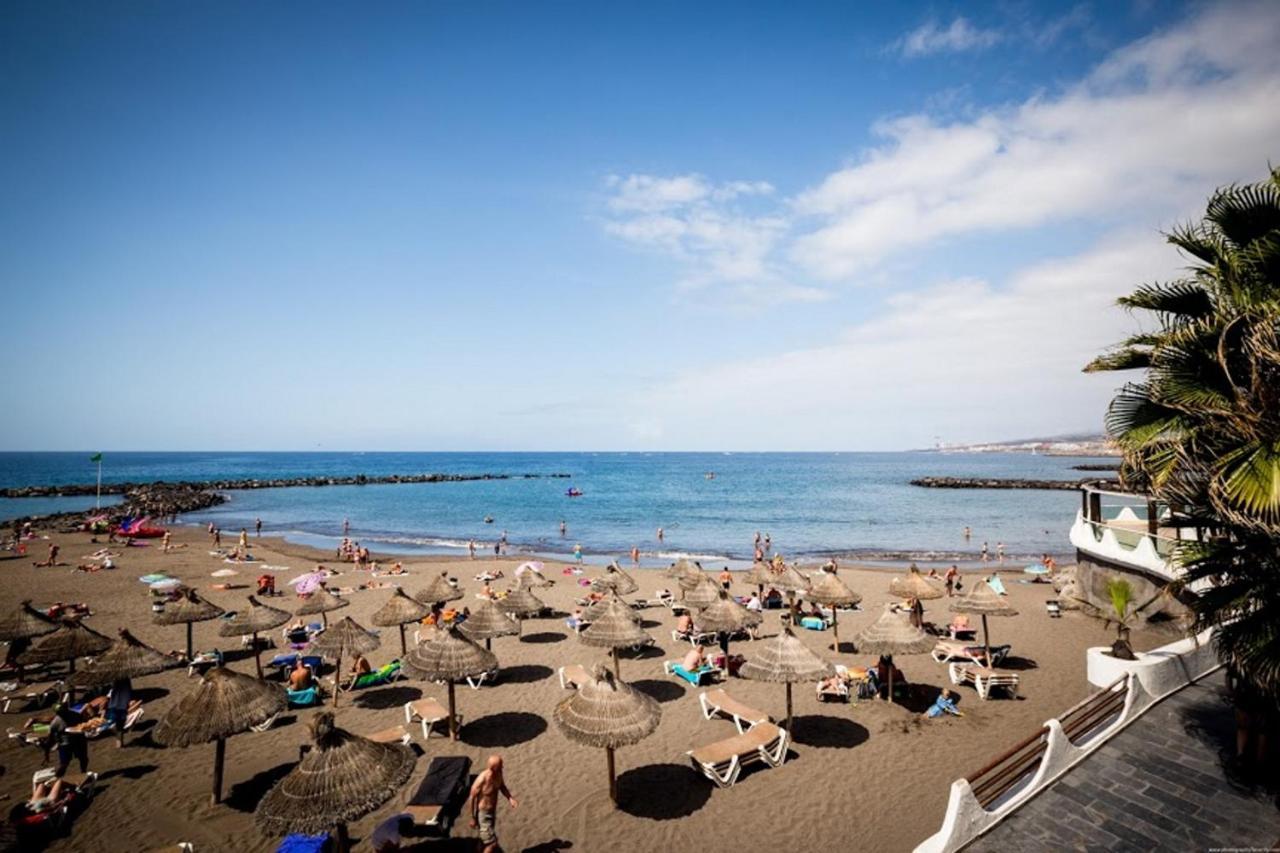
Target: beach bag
299 843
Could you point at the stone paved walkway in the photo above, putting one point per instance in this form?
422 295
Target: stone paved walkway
1158 785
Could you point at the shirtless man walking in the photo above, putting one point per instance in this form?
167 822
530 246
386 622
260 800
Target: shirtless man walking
484 803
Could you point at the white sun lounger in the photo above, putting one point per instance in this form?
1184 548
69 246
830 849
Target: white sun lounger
984 679
718 702
695 637
722 761
429 711
574 675
395 734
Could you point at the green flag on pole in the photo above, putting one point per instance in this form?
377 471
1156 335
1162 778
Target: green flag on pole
97 457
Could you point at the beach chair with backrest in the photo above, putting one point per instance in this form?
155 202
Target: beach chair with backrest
304 698
203 662
99 726
385 674
695 637
475 682
697 678
573 675
31 697
717 702
984 679
722 761
948 651
429 712
439 796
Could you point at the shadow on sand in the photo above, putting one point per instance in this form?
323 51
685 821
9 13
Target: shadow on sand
501 730
684 791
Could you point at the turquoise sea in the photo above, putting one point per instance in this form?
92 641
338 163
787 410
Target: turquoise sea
810 504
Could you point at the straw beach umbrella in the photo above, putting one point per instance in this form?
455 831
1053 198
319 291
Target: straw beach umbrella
521 603
530 574
893 634
488 621
726 617
828 589
446 656
128 658
71 640
344 636
257 618
686 573
983 601
916 588
223 704
438 590
596 610
785 659
399 611
759 574
321 601
20 625
341 778
188 609
615 579
615 629
706 593
790 581
609 713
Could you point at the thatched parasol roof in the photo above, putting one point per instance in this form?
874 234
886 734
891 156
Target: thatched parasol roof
683 567
71 640
189 608
607 712
915 585
759 574
982 600
25 622
256 618
789 580
521 602
615 629
320 600
596 610
893 634
128 657
446 655
224 703
617 580
724 615
785 659
488 621
400 609
438 590
345 636
827 588
341 779
706 593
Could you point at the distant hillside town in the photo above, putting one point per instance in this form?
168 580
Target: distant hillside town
1064 445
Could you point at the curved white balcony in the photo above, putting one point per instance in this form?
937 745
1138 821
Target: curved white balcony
1119 543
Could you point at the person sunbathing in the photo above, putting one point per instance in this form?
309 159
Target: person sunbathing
575 619
694 660
944 704
360 666
684 624
299 676
832 684
45 795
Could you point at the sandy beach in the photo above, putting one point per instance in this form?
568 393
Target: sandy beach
869 776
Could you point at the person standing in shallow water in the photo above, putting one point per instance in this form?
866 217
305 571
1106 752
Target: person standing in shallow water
257 525
484 803
564 528
660 535
635 555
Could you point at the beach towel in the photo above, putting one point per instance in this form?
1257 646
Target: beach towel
378 676
299 843
998 585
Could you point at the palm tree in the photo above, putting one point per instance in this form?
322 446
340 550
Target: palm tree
1201 430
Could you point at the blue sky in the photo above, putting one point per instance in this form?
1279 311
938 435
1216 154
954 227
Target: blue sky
588 226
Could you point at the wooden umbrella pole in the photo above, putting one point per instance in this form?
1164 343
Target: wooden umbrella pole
189 645
219 757
613 779
788 707
337 678
404 650
343 840
986 640
257 654
453 716
835 627
324 618
889 697
617 670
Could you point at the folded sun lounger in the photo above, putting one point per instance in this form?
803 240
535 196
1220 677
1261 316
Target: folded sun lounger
718 702
573 675
722 761
696 678
440 791
429 711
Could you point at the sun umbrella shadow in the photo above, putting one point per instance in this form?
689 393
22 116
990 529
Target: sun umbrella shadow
1018 664
825 732
244 796
504 729
525 673
555 845
642 653
150 694
684 791
544 637
135 771
662 691
387 697
649 624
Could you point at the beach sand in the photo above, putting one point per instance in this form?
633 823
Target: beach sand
868 776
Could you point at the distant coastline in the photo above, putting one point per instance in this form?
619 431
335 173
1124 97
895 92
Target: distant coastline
1067 445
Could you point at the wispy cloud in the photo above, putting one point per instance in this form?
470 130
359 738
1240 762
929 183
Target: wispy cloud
957 37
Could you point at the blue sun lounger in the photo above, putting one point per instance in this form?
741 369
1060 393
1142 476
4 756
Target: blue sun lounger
697 678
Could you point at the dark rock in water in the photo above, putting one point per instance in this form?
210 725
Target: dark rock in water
1096 467
1004 483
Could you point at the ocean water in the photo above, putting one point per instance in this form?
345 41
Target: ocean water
811 504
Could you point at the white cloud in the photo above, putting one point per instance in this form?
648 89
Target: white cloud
1134 146
959 36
